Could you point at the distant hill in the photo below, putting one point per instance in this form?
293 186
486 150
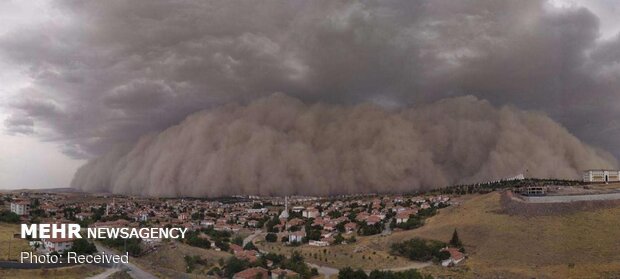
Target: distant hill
45 190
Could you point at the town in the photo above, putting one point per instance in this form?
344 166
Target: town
218 224
416 235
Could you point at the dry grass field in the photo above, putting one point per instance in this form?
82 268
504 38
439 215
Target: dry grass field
171 257
584 244
339 256
17 245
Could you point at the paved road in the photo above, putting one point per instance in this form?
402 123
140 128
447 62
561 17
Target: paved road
133 270
251 237
413 265
328 272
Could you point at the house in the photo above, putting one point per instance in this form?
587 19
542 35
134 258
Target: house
57 244
373 219
294 222
183 216
252 273
350 227
402 217
20 207
296 237
258 210
207 223
249 255
310 212
253 223
235 248
455 257
283 273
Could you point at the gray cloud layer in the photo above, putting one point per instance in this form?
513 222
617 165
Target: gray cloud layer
278 145
108 72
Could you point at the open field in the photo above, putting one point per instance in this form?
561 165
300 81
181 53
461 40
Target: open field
169 258
79 271
578 245
354 255
16 245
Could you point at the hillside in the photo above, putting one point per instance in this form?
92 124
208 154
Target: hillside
7 241
583 244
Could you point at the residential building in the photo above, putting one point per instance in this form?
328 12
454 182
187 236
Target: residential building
601 176
20 207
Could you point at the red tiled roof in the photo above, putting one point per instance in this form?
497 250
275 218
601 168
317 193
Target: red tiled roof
455 253
252 273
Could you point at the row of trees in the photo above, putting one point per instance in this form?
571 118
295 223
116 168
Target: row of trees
482 188
295 263
423 250
418 249
9 217
349 273
221 238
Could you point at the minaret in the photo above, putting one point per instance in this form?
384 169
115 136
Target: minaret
284 214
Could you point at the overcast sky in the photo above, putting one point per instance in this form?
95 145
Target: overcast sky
79 77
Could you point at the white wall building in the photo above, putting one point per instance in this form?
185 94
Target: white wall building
601 176
310 212
20 207
57 244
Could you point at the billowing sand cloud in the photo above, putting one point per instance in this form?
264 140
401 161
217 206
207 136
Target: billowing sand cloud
278 145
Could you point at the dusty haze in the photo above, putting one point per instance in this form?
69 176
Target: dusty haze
278 145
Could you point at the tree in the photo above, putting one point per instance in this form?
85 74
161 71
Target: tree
271 237
418 249
237 240
234 265
338 239
455 241
444 255
250 246
83 246
349 273
9 217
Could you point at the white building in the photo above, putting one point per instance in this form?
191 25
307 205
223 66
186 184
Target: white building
258 210
310 212
207 223
455 257
402 217
318 243
20 207
57 244
296 237
601 176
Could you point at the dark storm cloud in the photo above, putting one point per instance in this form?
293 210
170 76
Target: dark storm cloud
278 145
112 71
